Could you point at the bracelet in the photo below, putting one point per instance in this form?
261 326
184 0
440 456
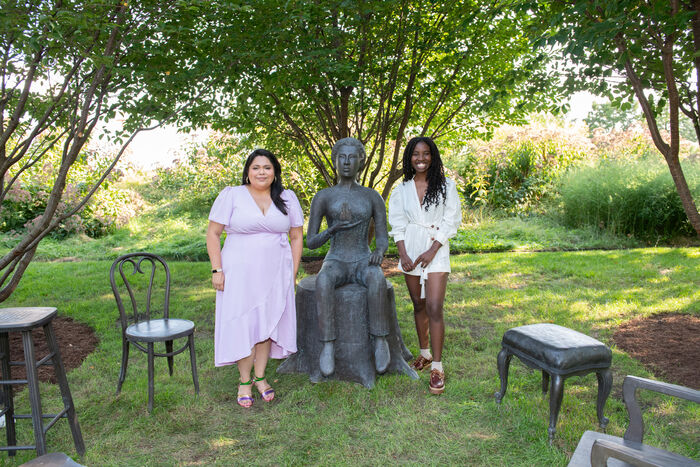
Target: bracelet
216 270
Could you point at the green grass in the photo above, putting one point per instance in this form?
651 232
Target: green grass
180 236
397 421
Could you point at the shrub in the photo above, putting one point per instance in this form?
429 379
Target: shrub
196 179
628 197
109 208
515 170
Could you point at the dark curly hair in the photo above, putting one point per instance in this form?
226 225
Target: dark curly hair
276 188
437 187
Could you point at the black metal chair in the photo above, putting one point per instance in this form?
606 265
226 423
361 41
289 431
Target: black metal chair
144 329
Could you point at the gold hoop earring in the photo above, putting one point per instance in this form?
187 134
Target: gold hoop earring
247 180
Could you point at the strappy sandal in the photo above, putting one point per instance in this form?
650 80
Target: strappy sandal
245 400
267 394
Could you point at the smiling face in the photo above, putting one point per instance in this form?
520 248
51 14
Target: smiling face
420 159
348 160
261 173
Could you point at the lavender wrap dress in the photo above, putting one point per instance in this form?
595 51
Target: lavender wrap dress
257 302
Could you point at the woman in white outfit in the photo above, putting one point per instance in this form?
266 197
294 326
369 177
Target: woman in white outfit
424 213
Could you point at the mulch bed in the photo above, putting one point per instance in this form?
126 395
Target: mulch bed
668 344
76 341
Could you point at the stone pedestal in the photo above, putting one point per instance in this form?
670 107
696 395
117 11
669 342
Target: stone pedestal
354 355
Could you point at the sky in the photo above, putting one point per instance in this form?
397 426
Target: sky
158 148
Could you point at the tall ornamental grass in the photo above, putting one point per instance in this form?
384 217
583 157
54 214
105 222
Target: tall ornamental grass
630 198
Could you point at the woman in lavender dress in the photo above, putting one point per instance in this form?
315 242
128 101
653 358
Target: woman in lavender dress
254 273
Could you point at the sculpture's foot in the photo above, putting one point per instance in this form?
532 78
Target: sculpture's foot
327 359
382 357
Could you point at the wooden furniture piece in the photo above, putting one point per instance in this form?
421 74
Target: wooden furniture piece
560 353
145 330
599 449
25 320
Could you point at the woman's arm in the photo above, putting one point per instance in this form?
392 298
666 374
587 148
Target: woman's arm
452 215
296 240
214 250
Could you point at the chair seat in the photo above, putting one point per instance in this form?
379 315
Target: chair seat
157 330
557 349
582 455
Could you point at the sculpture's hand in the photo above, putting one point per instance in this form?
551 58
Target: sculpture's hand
375 258
406 263
343 225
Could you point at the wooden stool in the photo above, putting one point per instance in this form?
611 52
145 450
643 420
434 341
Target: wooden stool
559 352
25 320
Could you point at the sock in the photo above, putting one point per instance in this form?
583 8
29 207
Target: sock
425 353
436 366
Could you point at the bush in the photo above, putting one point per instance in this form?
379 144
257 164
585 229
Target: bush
196 179
109 208
515 171
631 198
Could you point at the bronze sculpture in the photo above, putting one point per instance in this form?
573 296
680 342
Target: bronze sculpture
348 208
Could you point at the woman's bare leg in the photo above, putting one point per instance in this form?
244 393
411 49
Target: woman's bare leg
435 288
262 356
419 314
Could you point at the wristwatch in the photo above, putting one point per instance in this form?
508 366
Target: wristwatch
216 270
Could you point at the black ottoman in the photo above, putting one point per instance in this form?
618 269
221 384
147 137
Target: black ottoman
559 352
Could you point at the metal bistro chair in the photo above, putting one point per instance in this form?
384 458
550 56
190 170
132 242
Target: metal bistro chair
144 329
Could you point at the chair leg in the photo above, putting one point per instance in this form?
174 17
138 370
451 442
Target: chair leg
150 377
125 362
604 387
60 371
193 362
34 396
555 396
8 402
169 349
545 382
503 361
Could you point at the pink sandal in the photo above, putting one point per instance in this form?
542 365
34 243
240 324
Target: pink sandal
267 394
245 400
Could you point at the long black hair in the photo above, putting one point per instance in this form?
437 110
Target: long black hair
437 187
276 188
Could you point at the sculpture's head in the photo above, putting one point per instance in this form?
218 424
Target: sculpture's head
348 156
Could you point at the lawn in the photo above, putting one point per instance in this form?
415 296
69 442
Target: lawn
398 421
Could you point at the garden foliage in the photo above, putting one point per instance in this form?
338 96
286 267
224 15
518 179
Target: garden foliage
109 208
516 170
635 198
205 169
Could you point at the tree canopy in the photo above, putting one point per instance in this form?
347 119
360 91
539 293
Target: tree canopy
65 66
309 73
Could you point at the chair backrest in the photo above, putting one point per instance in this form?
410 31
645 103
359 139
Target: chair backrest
635 430
139 286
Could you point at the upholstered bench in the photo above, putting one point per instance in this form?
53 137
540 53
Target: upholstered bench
559 352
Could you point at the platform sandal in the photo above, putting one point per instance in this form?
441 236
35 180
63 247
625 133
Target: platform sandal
267 394
245 400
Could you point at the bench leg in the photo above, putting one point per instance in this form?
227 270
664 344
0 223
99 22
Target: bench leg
555 396
604 387
545 382
503 361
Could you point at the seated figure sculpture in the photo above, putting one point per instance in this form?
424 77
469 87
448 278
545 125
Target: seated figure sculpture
348 208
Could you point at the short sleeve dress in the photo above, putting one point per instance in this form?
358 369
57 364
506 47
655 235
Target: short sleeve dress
257 302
